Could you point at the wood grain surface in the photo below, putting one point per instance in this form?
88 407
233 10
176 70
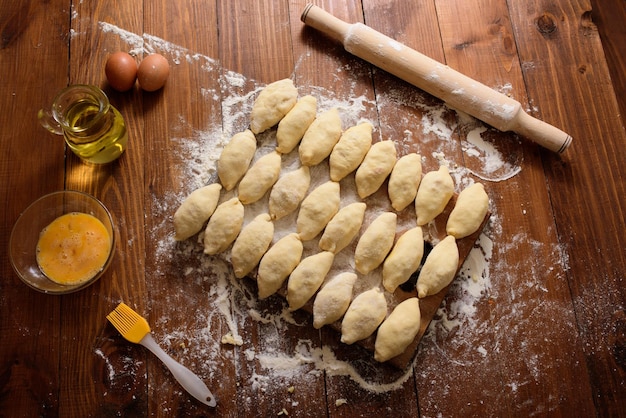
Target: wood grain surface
534 324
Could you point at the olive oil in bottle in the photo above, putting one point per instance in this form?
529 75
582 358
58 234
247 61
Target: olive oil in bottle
93 129
93 136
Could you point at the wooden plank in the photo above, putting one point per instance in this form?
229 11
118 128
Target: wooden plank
425 39
482 45
587 186
323 63
179 296
400 124
94 350
256 41
29 322
608 16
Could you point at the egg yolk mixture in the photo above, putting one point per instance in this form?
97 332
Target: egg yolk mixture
73 248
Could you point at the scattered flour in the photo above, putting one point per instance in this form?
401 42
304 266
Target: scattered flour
433 122
108 364
491 159
233 304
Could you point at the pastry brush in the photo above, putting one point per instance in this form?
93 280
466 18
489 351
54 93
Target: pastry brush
135 329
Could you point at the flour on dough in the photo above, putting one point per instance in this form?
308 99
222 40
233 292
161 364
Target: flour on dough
272 104
195 210
350 151
318 141
295 123
404 259
363 316
253 241
439 268
317 209
375 243
376 166
343 227
434 193
288 192
404 180
259 178
224 226
333 299
469 211
278 263
398 330
307 278
236 158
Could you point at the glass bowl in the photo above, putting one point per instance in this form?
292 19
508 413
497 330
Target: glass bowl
37 216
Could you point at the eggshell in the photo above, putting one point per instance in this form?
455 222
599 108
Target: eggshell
153 72
121 71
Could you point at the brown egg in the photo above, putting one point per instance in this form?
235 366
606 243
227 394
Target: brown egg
121 71
153 72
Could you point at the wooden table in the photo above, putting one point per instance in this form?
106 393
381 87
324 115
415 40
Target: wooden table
535 327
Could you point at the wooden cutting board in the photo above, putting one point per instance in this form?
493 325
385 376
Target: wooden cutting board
378 202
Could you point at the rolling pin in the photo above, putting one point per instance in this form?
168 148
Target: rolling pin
458 91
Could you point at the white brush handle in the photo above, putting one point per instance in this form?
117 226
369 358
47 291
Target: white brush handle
457 90
185 377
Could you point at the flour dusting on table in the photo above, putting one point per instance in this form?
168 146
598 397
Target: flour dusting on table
232 305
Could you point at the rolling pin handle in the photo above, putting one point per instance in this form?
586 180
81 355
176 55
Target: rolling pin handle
323 21
541 132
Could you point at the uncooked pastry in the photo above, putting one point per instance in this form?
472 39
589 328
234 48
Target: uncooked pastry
375 242
317 209
343 227
272 104
375 167
350 151
363 316
259 178
469 211
318 141
224 226
307 278
295 123
289 191
404 180
333 299
439 268
278 263
404 259
433 195
253 241
197 207
398 330
235 158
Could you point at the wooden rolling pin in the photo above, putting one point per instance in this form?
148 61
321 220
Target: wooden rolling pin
457 90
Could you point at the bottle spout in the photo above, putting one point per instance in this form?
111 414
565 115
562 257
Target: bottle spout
47 120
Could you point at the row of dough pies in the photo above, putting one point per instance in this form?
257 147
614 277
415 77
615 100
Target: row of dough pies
319 137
